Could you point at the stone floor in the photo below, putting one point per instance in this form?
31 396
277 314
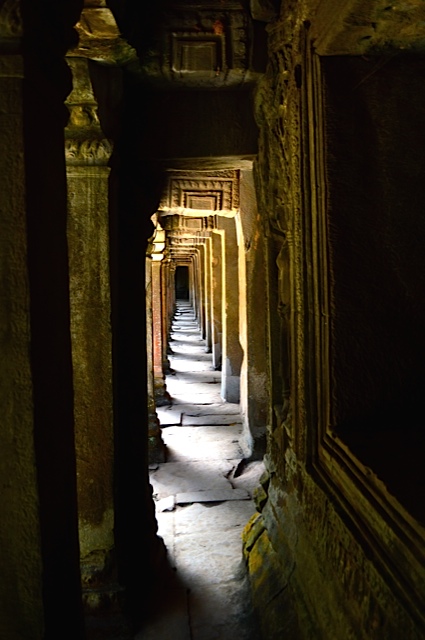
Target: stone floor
203 497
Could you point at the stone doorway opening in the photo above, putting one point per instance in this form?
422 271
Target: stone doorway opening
182 282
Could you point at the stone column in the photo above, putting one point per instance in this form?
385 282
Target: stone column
156 452
40 581
232 351
196 288
208 307
190 266
161 395
201 288
165 287
87 156
217 310
170 302
253 322
171 293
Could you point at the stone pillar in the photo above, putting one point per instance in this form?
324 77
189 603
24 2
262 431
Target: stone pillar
170 301
171 293
201 288
87 156
161 395
21 605
217 287
191 282
208 302
253 317
39 568
165 287
196 287
156 452
232 351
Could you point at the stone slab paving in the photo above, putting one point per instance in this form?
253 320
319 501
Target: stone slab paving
212 495
177 477
211 419
221 442
173 414
194 409
200 376
203 496
174 387
202 398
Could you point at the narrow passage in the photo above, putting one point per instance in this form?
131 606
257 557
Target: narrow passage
203 497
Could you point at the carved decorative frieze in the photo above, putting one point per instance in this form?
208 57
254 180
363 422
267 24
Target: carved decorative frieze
87 152
218 191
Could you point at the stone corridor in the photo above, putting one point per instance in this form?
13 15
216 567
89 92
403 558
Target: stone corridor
265 160
203 497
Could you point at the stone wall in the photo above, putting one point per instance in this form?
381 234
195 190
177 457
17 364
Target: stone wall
336 550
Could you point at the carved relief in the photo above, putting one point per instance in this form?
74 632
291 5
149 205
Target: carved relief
10 19
213 192
194 52
203 45
87 152
279 184
85 142
282 411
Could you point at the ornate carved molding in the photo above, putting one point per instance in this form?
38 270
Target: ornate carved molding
199 191
85 142
81 152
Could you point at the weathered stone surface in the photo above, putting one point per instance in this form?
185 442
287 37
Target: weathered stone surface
247 476
209 377
363 27
21 608
223 558
203 443
219 517
212 495
177 477
196 388
90 300
211 419
228 614
226 408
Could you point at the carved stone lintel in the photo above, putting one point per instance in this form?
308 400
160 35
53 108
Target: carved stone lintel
208 191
